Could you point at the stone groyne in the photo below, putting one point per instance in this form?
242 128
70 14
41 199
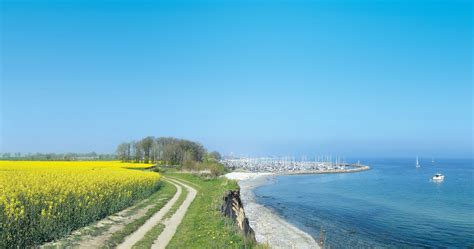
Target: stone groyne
356 168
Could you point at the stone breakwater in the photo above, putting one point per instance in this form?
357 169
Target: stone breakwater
283 166
355 168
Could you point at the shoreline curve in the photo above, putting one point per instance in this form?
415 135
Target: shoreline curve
269 227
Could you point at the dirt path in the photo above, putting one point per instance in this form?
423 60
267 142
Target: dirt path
98 241
150 223
172 223
184 181
95 235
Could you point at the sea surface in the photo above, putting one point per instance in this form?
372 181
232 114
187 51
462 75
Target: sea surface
393 205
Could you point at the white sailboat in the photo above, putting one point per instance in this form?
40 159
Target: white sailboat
417 163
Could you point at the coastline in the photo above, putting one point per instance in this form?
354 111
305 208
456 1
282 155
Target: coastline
269 227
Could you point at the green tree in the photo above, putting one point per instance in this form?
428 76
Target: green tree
216 155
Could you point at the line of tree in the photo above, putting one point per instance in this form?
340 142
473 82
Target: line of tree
92 156
169 150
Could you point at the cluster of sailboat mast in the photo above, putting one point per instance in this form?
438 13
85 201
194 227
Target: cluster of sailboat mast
289 165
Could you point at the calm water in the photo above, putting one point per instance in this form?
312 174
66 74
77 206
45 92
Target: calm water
392 205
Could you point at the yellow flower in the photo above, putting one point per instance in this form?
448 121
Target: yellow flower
69 194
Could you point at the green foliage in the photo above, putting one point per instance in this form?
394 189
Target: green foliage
167 151
176 151
159 169
204 226
214 168
171 151
216 155
209 167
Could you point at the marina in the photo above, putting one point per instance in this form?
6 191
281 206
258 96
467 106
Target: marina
289 165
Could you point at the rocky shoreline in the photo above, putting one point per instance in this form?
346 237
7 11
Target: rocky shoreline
269 227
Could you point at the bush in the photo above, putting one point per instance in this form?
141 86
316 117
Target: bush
159 169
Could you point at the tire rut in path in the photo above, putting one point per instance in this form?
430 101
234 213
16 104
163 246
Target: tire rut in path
150 223
173 222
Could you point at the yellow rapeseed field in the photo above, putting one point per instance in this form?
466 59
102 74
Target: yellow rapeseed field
41 201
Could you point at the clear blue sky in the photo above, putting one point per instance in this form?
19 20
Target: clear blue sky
356 78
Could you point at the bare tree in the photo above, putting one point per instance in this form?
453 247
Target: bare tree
123 152
146 145
154 151
138 151
171 150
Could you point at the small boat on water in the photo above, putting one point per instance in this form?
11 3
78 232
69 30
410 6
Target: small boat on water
438 177
417 163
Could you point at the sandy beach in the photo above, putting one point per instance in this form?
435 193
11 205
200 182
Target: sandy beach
269 228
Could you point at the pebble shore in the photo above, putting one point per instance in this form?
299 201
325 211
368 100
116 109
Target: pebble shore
269 228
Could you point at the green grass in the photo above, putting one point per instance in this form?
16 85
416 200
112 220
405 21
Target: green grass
177 204
159 199
150 237
161 193
203 225
153 234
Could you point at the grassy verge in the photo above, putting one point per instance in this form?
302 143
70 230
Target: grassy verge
203 225
153 234
174 208
159 199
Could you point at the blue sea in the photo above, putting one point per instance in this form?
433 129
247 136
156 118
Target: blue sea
393 205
